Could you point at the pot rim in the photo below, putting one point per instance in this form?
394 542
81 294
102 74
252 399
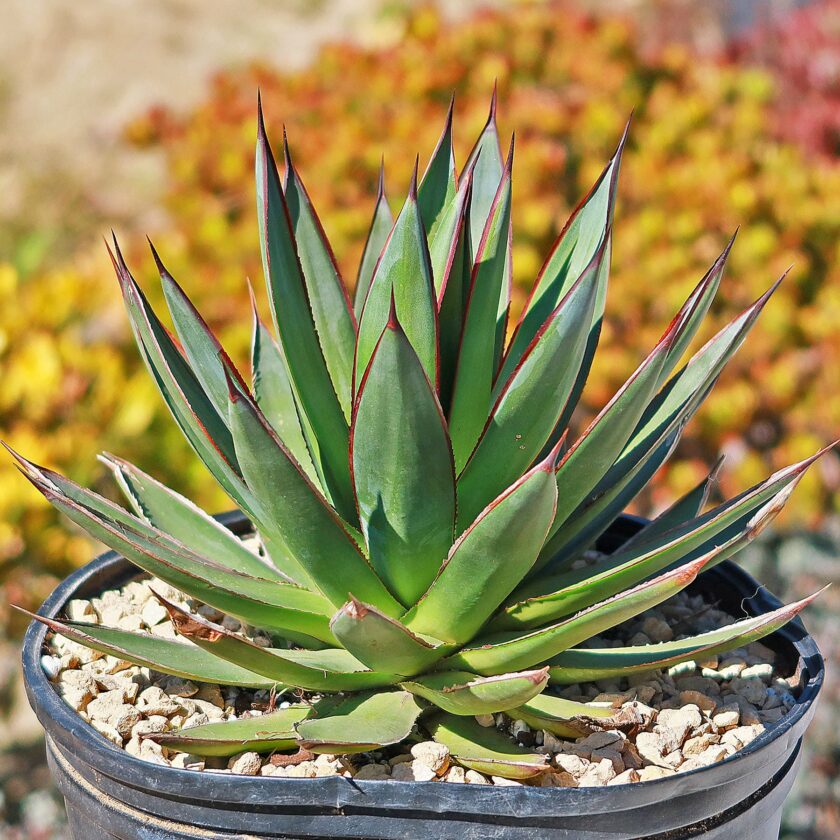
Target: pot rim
94 749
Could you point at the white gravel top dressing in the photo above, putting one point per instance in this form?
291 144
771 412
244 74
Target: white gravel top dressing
668 722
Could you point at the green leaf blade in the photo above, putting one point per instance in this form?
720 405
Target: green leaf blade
403 472
295 326
360 723
462 693
268 733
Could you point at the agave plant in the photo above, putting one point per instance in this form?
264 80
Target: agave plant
425 515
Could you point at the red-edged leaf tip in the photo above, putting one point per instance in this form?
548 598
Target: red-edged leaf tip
412 188
509 161
493 102
380 187
619 149
393 320
553 458
158 261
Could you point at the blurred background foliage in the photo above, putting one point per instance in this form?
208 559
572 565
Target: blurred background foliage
727 130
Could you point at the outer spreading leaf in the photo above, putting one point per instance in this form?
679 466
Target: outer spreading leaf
360 723
332 312
323 670
662 422
294 321
597 448
686 508
585 664
285 608
561 717
462 693
203 350
190 405
499 653
477 358
267 733
404 275
725 529
402 468
380 227
489 559
165 655
484 749
177 516
382 643
298 516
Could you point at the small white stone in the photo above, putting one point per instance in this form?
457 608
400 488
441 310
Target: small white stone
245 764
501 781
473 777
80 610
154 613
110 732
455 774
51 666
627 777
432 755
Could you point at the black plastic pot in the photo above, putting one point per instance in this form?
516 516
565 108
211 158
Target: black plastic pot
110 794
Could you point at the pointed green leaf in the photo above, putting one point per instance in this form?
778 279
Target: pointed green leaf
286 608
178 658
268 733
597 448
462 693
402 468
322 670
382 643
274 394
404 275
192 409
685 508
203 350
489 559
451 256
560 717
484 749
695 309
438 183
486 157
298 516
380 227
502 652
360 723
582 236
295 325
529 404
332 312
661 422
477 360
173 514
588 664
726 529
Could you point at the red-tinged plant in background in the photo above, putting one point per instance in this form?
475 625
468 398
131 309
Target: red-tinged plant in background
801 52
